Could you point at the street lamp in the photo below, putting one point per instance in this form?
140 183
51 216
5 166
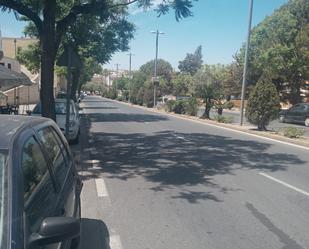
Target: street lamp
155 79
130 76
245 65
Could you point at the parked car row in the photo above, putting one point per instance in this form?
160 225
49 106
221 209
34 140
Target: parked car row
60 109
39 186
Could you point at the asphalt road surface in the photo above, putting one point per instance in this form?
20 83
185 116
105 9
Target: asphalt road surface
274 125
157 182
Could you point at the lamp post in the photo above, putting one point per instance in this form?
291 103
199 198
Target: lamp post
155 79
130 76
243 89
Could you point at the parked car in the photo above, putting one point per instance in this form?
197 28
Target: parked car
39 186
296 114
60 108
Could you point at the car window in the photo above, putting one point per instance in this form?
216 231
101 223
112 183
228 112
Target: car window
55 153
60 108
63 147
39 192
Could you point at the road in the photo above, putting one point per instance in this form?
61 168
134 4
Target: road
160 182
274 125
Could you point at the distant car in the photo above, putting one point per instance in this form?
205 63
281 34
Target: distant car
60 107
39 186
298 113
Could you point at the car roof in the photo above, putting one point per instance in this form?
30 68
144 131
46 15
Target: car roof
11 125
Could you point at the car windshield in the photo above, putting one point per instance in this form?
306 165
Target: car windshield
2 196
60 108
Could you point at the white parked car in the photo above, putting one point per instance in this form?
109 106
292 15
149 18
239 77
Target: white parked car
60 108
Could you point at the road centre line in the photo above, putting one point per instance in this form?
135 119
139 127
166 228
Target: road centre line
115 242
101 188
284 184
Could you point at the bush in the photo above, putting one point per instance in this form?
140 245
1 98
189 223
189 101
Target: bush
292 132
229 105
191 107
169 106
263 104
121 98
223 119
179 107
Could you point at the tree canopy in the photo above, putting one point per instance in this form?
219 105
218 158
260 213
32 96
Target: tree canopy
192 62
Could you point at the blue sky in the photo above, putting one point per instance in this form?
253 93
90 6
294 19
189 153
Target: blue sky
220 26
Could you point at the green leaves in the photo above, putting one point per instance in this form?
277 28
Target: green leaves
263 104
192 62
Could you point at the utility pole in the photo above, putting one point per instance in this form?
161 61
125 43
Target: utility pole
243 89
117 68
155 80
130 76
15 41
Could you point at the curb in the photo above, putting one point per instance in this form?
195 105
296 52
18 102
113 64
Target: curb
274 137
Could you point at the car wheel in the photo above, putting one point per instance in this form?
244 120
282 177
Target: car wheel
281 119
307 122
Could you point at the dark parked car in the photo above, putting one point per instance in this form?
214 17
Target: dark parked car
296 114
39 186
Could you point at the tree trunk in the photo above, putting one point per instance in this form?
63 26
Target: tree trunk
47 61
206 114
75 83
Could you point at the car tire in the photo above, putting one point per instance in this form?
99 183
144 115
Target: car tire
281 119
307 122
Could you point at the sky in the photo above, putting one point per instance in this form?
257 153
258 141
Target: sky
220 26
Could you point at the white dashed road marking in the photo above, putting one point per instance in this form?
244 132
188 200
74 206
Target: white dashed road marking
115 242
285 184
101 188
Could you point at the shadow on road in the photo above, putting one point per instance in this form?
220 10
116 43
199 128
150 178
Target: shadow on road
123 117
169 162
94 234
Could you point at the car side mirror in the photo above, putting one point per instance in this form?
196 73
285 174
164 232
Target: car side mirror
55 229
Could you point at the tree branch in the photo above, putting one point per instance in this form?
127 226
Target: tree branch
89 8
25 11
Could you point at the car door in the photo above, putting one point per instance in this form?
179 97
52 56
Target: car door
292 114
63 171
302 114
39 189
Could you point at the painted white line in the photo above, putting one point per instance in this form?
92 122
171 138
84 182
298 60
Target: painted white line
95 161
115 242
236 131
285 184
101 188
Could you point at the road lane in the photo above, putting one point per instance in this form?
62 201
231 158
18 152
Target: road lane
177 184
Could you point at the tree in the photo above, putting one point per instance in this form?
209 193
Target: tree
263 103
232 80
192 62
53 18
278 49
183 84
